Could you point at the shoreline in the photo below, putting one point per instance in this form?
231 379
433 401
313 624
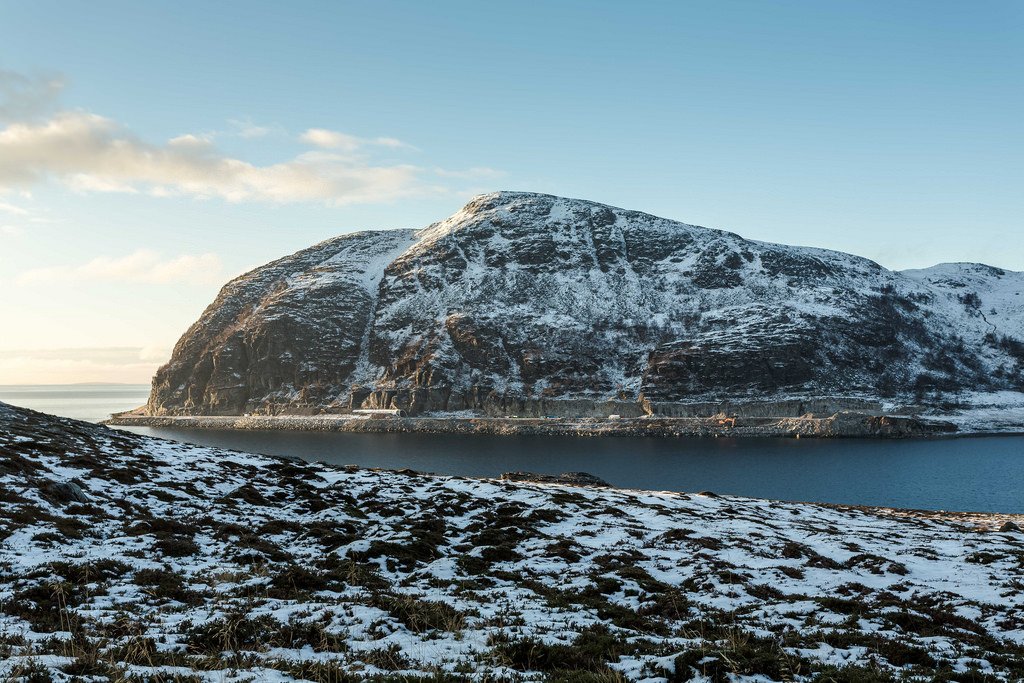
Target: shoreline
839 425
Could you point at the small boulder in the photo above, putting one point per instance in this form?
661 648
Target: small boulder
1009 527
65 492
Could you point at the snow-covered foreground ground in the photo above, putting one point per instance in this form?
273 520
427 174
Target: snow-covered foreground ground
129 558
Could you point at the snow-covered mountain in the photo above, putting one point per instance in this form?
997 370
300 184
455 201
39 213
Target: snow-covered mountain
525 303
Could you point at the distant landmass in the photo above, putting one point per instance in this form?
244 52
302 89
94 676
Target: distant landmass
529 304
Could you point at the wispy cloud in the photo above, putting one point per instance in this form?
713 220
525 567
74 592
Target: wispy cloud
12 209
245 128
15 219
96 364
332 139
25 97
93 153
143 266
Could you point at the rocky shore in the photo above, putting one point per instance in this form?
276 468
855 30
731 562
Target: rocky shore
838 425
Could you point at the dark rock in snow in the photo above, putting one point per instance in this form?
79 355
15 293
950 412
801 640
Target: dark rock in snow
65 492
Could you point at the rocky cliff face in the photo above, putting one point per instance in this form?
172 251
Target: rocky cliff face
524 303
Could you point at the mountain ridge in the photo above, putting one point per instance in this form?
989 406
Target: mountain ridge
524 302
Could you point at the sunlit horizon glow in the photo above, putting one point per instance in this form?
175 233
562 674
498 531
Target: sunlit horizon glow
112 365
146 162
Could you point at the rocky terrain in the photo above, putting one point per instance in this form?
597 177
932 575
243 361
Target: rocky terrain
126 558
532 305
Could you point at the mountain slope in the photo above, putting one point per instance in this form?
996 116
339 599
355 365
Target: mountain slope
131 558
524 303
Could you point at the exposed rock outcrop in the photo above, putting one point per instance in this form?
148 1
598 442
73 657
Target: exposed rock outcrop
533 305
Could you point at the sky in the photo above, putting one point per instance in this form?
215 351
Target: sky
151 151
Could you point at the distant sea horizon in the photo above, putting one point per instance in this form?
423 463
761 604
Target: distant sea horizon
89 401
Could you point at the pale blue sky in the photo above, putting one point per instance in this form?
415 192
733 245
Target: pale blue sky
887 129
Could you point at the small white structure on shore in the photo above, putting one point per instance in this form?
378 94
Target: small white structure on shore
380 412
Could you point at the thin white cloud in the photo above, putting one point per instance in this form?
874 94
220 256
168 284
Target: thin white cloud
332 139
12 209
203 141
158 354
244 128
24 97
16 218
86 183
143 266
94 154
390 142
94 364
90 153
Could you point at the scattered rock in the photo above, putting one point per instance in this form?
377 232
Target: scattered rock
65 492
1009 527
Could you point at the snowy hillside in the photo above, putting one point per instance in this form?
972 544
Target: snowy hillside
521 303
131 558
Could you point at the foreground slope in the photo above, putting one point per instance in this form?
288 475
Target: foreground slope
530 304
123 556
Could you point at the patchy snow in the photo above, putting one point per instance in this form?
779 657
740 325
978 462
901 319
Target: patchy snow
986 412
162 558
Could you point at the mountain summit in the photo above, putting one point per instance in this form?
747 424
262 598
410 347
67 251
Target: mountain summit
525 303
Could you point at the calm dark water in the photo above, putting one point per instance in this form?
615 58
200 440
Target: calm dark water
970 474
90 402
980 474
